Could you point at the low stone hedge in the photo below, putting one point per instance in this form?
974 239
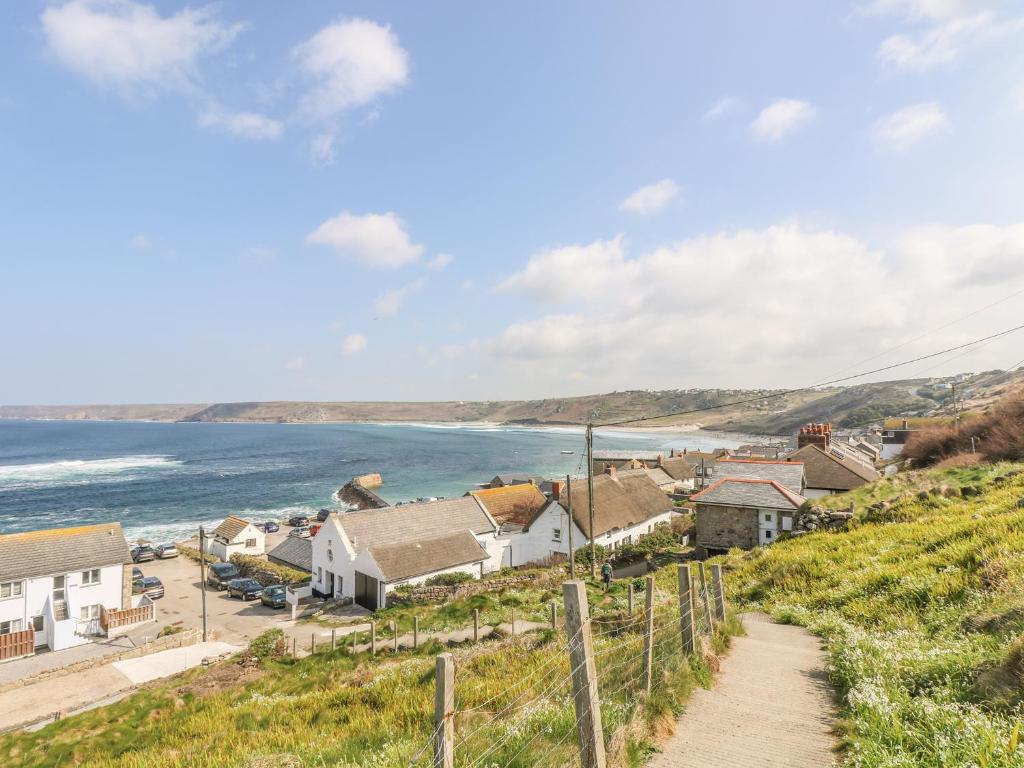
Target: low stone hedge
266 572
437 594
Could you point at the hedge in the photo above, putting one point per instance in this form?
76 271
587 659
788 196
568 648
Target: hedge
266 572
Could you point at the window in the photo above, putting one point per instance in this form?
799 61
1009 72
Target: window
767 534
10 589
90 612
556 534
250 543
320 575
91 577
9 627
767 517
37 623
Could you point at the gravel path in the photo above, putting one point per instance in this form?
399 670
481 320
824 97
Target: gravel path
771 706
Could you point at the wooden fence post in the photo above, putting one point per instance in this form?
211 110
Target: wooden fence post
334 639
373 638
476 625
584 674
415 632
704 598
686 627
444 712
719 586
312 643
513 622
394 628
554 615
648 633
629 598
294 648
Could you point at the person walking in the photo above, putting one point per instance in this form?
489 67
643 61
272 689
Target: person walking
606 574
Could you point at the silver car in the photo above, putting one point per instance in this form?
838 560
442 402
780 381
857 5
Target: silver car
164 551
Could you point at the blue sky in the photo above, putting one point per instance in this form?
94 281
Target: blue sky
465 200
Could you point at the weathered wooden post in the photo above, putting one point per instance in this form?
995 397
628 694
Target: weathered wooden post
476 625
554 615
686 628
334 639
719 586
444 712
415 632
584 674
648 634
373 638
704 598
513 622
394 628
629 598
295 648
312 643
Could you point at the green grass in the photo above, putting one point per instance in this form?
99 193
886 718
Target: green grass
921 604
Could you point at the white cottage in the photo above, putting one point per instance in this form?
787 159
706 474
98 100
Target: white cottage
62 587
236 536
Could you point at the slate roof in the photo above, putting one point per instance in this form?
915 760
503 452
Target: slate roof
749 492
61 550
513 503
231 528
406 560
660 477
823 469
414 522
787 473
618 504
500 481
294 552
678 468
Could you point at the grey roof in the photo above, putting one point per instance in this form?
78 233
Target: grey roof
62 550
826 469
414 522
749 493
788 473
677 467
294 552
230 528
406 560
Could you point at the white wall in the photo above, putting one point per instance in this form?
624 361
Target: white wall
539 542
332 553
224 550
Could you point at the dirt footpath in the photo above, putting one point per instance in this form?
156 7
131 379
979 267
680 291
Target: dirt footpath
771 706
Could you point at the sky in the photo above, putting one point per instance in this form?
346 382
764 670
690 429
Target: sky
408 201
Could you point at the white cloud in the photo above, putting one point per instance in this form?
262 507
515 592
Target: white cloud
934 46
247 125
129 46
781 118
721 108
905 127
440 261
351 63
774 306
389 302
915 10
466 285
353 344
652 198
375 239
321 148
296 364
139 242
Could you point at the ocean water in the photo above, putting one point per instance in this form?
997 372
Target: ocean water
162 480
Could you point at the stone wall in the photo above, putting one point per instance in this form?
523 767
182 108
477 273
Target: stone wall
813 518
720 527
179 640
438 594
359 496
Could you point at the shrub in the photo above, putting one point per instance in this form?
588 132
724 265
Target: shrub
997 436
266 572
448 579
269 645
170 629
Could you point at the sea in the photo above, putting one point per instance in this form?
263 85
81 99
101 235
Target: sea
162 480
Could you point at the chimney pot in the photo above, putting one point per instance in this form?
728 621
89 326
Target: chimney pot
556 489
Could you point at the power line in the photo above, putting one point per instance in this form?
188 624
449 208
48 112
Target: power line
785 392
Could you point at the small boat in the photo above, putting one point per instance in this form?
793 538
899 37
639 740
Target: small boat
568 453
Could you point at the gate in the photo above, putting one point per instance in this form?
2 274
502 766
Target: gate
366 591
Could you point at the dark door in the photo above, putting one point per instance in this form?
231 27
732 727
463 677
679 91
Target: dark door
366 591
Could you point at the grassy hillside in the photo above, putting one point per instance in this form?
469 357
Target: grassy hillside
921 604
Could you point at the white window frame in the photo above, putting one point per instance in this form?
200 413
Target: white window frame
14 589
91 577
556 534
12 626
250 543
90 612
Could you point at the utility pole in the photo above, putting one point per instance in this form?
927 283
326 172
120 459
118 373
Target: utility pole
590 497
202 573
572 554
956 416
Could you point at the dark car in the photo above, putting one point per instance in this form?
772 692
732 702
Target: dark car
219 574
150 586
274 596
322 515
298 520
247 589
271 527
137 573
143 553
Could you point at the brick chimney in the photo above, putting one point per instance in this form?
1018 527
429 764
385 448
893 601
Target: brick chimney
610 471
815 434
556 489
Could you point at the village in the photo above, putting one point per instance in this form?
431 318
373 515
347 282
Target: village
85 601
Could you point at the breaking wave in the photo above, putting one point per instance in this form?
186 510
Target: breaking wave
77 471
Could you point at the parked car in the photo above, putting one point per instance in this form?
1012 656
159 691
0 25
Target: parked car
298 520
274 596
137 573
314 529
142 553
163 551
219 574
271 527
246 589
301 532
322 515
150 586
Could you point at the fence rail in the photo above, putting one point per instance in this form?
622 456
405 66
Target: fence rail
112 619
17 644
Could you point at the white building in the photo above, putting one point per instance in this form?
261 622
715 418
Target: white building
62 587
236 536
